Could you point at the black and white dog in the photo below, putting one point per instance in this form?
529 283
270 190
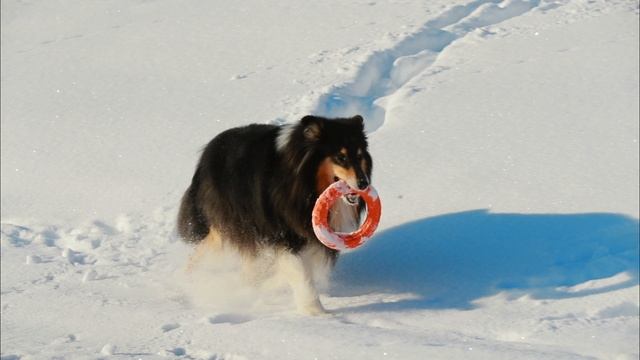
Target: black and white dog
255 187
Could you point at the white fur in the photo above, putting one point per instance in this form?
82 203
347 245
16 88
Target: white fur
298 271
311 266
315 259
303 273
344 217
283 136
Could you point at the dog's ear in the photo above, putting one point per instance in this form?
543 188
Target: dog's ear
312 127
357 120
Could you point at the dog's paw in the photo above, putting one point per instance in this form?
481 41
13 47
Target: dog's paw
314 309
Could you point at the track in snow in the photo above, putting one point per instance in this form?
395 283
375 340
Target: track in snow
386 71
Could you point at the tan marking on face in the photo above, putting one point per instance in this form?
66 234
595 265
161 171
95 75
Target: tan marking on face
348 175
364 166
325 175
363 162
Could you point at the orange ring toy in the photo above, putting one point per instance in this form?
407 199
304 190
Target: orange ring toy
343 241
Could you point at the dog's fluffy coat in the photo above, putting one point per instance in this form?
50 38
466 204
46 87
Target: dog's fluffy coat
255 187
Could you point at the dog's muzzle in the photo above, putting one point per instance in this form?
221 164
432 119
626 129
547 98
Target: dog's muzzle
351 199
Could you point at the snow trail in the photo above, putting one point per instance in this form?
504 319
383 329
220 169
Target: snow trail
387 71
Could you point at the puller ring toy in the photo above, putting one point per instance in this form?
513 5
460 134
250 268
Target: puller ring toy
338 240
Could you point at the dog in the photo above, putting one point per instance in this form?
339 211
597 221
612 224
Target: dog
255 187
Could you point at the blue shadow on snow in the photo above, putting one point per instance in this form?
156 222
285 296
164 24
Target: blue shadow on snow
449 261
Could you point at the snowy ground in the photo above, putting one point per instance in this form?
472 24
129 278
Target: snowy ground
505 145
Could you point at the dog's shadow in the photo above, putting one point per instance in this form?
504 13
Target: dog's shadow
451 260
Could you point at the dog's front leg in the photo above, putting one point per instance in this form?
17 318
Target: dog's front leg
211 243
292 267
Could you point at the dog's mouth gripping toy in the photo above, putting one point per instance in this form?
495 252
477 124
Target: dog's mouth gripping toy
320 216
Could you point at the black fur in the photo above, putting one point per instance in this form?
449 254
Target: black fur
255 193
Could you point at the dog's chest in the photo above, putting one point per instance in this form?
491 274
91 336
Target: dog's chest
343 217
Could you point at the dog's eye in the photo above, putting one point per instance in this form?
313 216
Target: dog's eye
341 158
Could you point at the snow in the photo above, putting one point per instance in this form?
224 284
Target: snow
505 144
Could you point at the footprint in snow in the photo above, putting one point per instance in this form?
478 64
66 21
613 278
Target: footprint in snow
76 257
169 327
64 340
33 259
229 319
173 352
239 76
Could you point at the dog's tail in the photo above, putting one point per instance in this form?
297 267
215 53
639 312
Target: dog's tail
192 224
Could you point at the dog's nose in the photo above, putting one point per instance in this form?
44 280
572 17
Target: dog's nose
362 183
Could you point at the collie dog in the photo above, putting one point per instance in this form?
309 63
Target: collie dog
255 187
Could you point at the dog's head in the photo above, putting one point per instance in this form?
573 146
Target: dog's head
339 150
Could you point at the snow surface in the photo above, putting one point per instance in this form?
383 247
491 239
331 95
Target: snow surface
505 145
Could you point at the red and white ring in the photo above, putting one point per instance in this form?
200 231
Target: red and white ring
343 241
